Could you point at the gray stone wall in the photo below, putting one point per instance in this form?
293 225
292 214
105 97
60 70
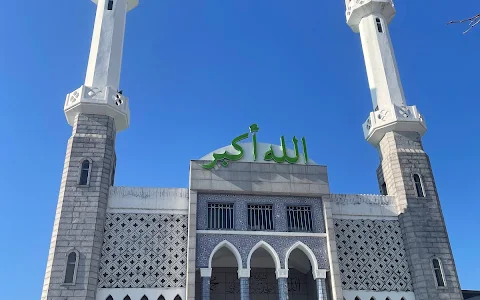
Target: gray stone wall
80 216
421 219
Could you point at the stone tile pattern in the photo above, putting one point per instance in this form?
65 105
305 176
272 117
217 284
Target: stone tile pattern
244 288
80 215
205 288
144 251
244 243
265 178
421 219
372 255
282 288
321 289
241 203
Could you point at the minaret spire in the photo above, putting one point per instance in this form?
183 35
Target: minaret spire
371 18
99 94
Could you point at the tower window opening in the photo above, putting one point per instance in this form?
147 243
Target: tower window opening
110 5
84 172
418 185
438 270
71 267
379 25
383 189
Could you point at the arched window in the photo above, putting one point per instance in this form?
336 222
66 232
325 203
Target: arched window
379 25
403 298
85 172
161 297
144 298
71 267
110 5
383 189
373 298
178 298
127 297
109 298
357 298
438 270
418 185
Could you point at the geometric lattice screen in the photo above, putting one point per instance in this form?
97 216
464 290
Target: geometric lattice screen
372 255
144 251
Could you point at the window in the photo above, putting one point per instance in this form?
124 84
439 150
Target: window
260 217
299 218
161 297
418 185
220 216
71 267
127 297
84 172
178 298
383 189
144 298
110 5
109 297
112 176
379 25
438 270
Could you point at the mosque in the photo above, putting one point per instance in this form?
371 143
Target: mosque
257 221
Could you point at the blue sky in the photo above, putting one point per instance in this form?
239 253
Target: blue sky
198 73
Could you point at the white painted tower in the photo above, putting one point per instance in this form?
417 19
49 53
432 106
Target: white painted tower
395 130
371 18
100 93
96 111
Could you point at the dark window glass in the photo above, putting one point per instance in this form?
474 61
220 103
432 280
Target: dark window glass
113 176
127 298
438 272
379 25
109 298
110 4
383 189
70 271
144 298
418 185
178 298
161 297
84 172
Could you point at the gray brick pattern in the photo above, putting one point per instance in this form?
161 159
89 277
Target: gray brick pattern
282 289
421 219
205 288
144 251
244 288
321 289
372 255
80 214
241 203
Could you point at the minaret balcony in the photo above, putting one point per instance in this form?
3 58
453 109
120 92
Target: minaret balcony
393 118
359 9
98 101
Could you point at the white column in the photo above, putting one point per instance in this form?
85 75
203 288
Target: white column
105 61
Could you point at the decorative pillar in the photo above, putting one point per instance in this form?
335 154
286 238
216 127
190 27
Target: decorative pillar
319 276
206 274
244 276
282 278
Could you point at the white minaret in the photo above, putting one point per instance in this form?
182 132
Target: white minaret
100 93
371 19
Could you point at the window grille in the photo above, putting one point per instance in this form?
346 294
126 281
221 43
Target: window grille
220 216
299 218
437 268
260 217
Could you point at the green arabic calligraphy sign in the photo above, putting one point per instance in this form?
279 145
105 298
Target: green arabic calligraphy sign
225 157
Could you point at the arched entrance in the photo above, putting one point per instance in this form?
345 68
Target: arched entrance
301 284
263 282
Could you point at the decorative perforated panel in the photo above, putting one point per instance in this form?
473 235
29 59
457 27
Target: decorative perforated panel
372 255
144 251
